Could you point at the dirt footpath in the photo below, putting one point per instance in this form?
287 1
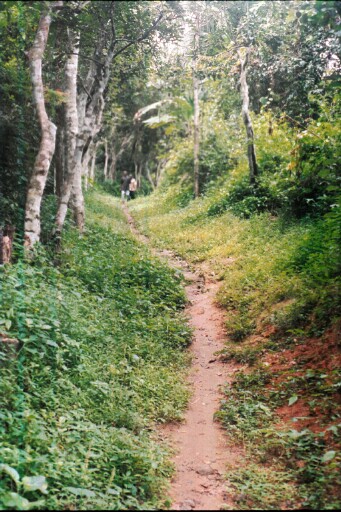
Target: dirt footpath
201 451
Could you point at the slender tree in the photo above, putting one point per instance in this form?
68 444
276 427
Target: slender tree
60 151
71 124
48 129
93 163
106 159
196 133
244 91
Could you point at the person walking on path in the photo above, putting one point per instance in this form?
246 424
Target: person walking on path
132 188
125 180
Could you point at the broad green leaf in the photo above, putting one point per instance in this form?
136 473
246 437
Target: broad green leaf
265 409
14 500
114 492
13 473
79 491
52 343
35 483
333 429
328 456
153 106
157 121
293 399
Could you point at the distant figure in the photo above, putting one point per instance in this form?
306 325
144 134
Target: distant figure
132 188
125 180
6 244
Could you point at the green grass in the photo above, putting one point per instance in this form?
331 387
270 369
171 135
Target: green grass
101 362
261 488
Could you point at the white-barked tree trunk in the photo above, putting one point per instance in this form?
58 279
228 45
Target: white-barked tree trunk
196 141
71 126
48 132
244 91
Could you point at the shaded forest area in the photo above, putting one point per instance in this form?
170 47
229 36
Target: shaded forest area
228 116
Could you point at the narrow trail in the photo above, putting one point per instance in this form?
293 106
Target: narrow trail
201 451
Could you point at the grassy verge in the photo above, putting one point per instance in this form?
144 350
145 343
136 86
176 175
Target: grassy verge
101 361
279 285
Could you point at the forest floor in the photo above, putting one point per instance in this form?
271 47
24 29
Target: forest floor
200 443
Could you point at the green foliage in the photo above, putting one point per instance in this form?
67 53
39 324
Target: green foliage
317 259
241 353
111 187
302 457
298 169
317 253
245 411
261 488
284 270
100 361
214 161
16 112
245 200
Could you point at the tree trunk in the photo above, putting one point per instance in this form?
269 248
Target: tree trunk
91 122
112 168
244 90
71 126
138 172
159 171
196 109
77 199
106 156
60 153
93 164
86 159
150 179
48 133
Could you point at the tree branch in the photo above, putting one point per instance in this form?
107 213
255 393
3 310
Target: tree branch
85 89
113 30
142 37
86 58
302 126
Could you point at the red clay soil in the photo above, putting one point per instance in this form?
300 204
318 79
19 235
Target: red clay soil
317 354
200 444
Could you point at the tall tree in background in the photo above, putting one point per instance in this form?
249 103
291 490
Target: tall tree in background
92 93
244 90
196 131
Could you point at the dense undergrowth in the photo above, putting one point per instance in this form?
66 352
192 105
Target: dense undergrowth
280 286
100 362
273 270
